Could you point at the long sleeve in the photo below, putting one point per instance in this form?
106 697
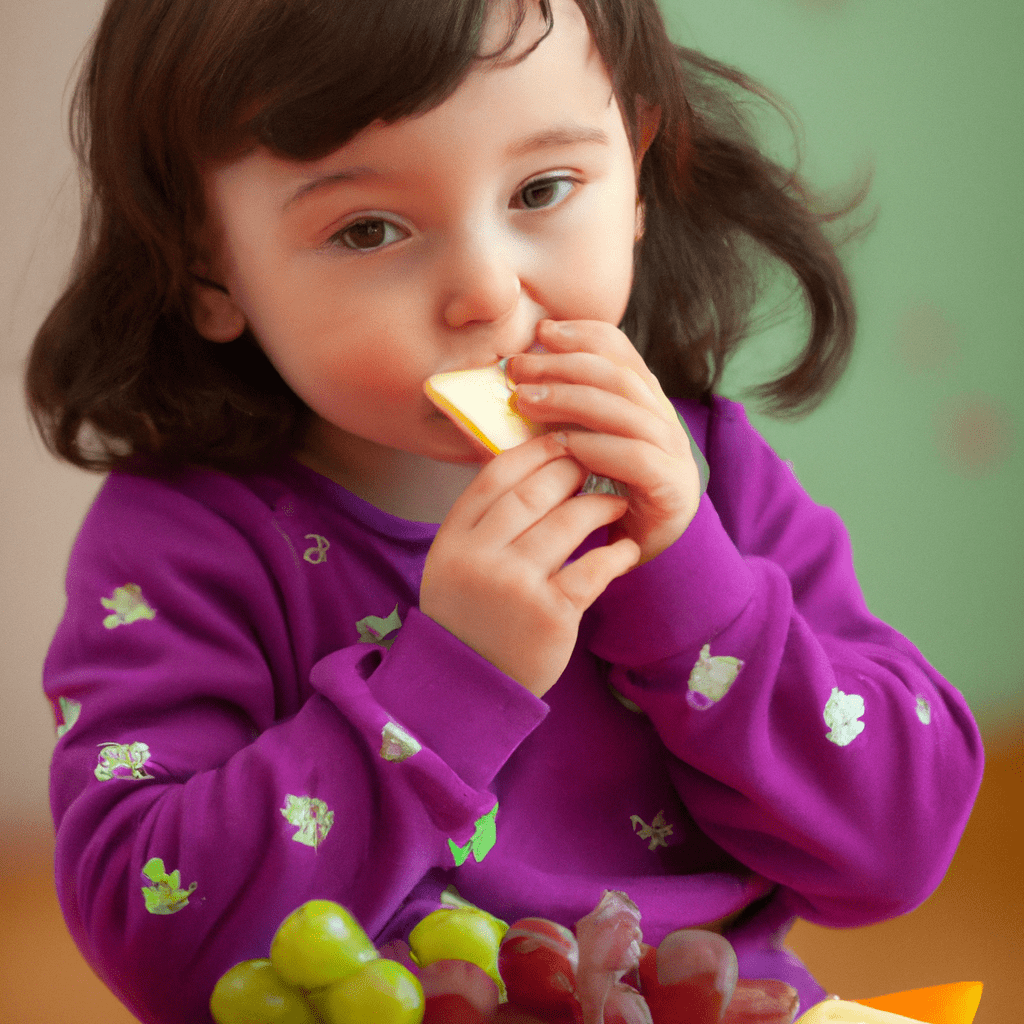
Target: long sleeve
217 767
810 740
252 712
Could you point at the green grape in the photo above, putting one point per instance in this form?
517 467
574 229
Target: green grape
459 933
318 944
383 991
252 993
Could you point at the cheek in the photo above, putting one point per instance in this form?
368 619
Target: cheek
602 274
603 259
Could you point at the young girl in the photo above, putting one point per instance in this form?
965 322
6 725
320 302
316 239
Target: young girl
317 644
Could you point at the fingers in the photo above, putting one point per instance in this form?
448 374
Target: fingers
582 368
585 579
616 421
591 376
551 540
644 468
601 411
507 471
525 504
600 339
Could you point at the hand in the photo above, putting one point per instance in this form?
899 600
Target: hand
592 377
496 574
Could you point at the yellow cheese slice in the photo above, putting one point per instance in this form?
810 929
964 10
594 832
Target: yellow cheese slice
479 402
839 1011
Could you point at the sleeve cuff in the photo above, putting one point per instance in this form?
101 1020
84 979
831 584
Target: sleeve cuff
676 602
449 698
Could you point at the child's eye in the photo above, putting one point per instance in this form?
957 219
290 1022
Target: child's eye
369 234
544 192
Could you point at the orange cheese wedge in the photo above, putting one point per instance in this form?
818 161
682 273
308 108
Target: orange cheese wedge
939 1004
840 1011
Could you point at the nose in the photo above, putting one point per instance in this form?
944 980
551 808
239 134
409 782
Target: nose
482 281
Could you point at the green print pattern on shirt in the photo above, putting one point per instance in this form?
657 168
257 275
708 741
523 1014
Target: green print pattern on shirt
122 761
484 838
396 744
165 895
127 605
69 712
375 630
311 816
711 678
317 554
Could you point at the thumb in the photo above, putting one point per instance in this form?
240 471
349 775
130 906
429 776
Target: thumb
584 580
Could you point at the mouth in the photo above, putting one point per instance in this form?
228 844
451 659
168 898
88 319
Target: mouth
497 359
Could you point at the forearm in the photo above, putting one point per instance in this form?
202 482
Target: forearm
353 798
814 743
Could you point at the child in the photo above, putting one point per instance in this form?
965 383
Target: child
317 644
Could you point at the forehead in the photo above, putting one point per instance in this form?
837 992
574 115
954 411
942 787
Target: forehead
556 75
555 84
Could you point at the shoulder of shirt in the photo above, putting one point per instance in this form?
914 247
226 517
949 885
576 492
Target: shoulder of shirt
139 506
708 418
196 485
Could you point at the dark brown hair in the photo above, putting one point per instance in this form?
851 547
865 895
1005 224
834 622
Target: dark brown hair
119 377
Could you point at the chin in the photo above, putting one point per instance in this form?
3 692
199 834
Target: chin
456 446
464 457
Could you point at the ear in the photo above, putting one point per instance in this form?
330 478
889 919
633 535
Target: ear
214 313
648 120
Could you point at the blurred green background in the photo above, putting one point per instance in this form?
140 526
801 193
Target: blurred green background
919 448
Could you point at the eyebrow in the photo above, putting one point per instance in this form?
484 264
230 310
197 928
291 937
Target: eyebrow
569 134
349 174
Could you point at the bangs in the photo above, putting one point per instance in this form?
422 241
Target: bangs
302 77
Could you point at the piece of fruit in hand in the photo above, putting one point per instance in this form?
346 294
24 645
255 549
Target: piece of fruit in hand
478 402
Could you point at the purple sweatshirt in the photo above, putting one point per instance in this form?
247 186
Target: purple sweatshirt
253 712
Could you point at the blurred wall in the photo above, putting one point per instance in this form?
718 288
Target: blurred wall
919 449
41 502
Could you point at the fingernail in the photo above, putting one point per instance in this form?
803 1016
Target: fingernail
532 392
561 437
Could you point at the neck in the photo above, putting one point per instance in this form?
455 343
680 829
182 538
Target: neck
401 483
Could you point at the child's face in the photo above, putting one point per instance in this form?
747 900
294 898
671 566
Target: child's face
434 243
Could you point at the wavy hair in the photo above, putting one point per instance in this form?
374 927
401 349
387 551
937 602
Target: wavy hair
118 376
